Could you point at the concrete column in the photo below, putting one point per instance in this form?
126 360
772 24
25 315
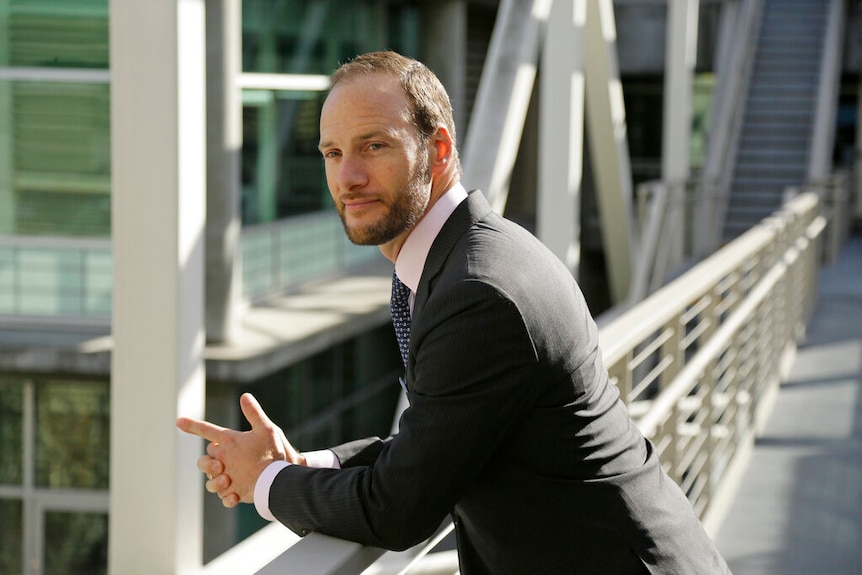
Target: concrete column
445 28
561 139
606 129
224 143
158 209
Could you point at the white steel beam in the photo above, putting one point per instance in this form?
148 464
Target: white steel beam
495 129
606 130
158 210
561 132
680 60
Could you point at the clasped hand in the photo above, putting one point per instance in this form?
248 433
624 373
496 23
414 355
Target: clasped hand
235 459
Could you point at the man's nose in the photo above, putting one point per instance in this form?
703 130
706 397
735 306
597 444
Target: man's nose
352 172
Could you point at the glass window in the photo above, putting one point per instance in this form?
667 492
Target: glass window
307 36
58 170
11 434
11 541
72 434
54 33
55 169
282 171
76 543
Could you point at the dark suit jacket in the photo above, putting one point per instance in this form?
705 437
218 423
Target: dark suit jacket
513 428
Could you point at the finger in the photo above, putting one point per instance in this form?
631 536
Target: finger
253 412
220 485
231 500
204 429
210 465
211 485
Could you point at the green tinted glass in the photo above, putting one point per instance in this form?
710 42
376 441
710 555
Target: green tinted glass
72 434
307 36
11 432
76 543
11 536
58 172
54 33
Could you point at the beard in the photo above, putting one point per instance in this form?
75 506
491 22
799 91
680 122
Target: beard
404 213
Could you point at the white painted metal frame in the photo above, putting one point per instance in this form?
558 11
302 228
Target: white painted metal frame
287 82
73 75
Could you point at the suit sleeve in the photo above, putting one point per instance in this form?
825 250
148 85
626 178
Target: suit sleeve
470 383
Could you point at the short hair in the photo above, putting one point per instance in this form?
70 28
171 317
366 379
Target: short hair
429 102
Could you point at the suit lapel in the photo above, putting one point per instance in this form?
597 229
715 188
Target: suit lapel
471 210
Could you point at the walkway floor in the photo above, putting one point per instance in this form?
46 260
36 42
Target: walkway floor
798 509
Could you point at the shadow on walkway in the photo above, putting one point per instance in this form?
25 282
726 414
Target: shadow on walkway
798 509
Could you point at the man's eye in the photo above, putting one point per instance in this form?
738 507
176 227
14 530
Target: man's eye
330 154
375 146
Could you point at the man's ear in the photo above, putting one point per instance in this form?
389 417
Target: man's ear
442 149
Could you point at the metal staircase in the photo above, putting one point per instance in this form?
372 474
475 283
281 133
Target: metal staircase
775 142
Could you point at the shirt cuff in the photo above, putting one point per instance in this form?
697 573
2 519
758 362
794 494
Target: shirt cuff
321 459
262 487
325 458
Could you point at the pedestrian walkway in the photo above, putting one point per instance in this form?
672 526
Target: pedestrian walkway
798 509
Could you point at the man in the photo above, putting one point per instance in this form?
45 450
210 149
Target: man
512 427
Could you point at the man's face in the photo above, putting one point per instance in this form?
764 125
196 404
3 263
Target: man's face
376 167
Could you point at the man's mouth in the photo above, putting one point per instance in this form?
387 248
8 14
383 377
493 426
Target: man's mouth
357 204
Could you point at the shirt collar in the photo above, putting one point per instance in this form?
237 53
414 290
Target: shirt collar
414 252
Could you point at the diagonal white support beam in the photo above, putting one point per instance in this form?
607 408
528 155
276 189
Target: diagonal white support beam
158 210
561 139
503 97
606 130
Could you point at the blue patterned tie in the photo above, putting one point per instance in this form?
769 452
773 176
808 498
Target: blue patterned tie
400 303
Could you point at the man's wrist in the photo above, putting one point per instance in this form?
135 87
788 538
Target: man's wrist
263 486
320 459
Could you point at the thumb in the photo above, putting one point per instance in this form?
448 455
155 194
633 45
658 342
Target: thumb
253 412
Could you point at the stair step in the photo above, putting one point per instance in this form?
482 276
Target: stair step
767 156
775 136
770 104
